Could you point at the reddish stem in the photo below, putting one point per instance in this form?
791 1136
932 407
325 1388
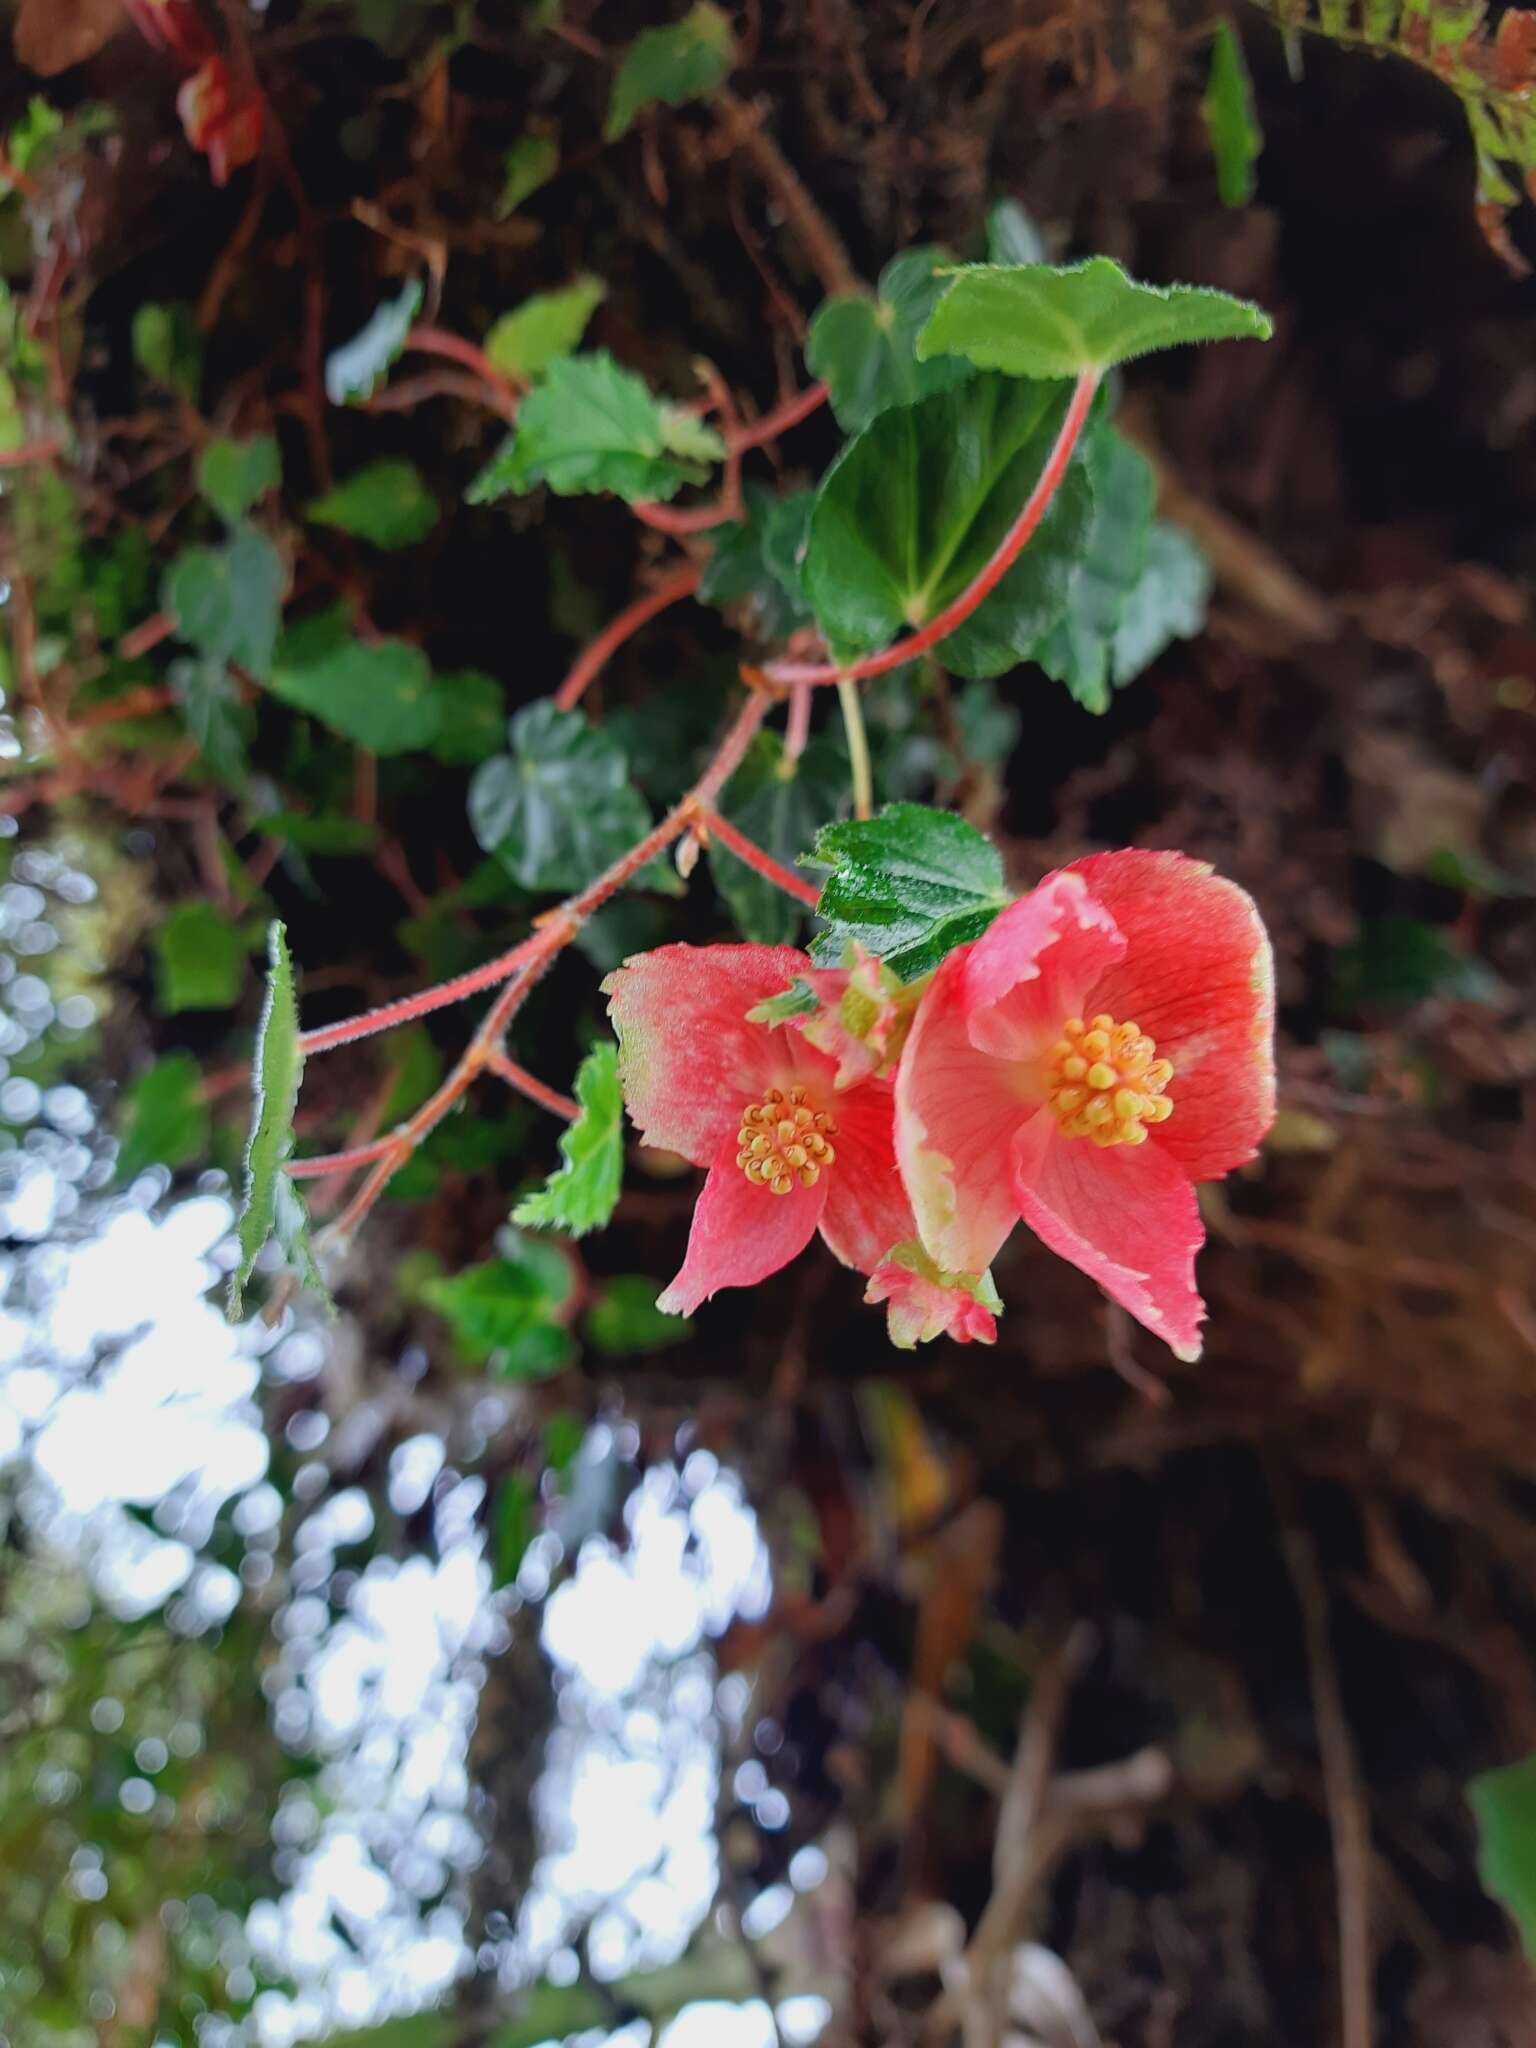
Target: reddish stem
595 657
779 421
324 1163
149 633
32 451
141 703
959 609
762 863
437 341
797 727
695 519
498 1062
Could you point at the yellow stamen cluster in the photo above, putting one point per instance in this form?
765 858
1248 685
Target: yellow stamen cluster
784 1141
1106 1081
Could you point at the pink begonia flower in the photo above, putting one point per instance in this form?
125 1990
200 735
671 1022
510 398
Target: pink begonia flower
1106 1044
926 1302
787 1153
863 1016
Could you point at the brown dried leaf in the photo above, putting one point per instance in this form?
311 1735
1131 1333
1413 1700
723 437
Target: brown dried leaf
53 35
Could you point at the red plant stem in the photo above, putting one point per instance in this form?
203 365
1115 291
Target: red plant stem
760 862
779 421
141 703
324 1163
695 519
146 635
797 727
561 924
32 451
517 1077
596 655
958 610
437 341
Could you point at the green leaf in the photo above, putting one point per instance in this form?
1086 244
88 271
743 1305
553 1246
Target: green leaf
1504 1802
1031 320
685 434
670 66
589 426
215 713
580 1195
516 1519
474 717
330 833
232 475
163 1118
989 728
625 1322
910 885
1167 603
865 348
530 162
915 507
1236 137
290 1226
278 1069
503 1314
228 601
560 807
1079 650
782 813
29 138
199 960
386 502
1012 236
168 347
527 341
755 562
798 1000
1401 960
354 371
379 693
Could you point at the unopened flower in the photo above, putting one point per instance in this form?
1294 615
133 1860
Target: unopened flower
926 1302
787 1152
220 118
1106 1044
859 1014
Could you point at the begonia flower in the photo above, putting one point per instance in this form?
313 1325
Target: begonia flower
1106 1044
926 1302
787 1153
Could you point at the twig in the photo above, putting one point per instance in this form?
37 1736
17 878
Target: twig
596 655
787 673
1348 1818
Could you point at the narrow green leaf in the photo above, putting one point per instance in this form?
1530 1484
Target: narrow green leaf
670 66
624 1321
756 562
915 507
865 348
1079 651
589 426
525 342
1032 320
199 960
1237 140
278 1069
232 475
782 812
910 885
228 601
378 693
386 502
560 807
290 1226
354 371
1504 1803
580 1195
216 715
163 1118
530 162
798 1000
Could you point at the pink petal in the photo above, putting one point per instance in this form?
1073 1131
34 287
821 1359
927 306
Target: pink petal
740 1233
689 1061
867 1208
956 1110
1199 978
1126 1215
1027 973
926 1303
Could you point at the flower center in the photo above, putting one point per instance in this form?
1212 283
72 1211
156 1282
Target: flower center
1106 1082
784 1141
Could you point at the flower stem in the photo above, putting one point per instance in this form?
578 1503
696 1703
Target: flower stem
780 420
786 674
752 855
437 341
517 1077
858 747
595 656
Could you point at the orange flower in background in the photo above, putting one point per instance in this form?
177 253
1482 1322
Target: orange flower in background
221 119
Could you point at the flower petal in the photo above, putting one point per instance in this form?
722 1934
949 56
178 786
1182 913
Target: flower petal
689 1061
1126 1215
956 1110
867 1208
1028 972
926 1303
740 1233
1199 978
